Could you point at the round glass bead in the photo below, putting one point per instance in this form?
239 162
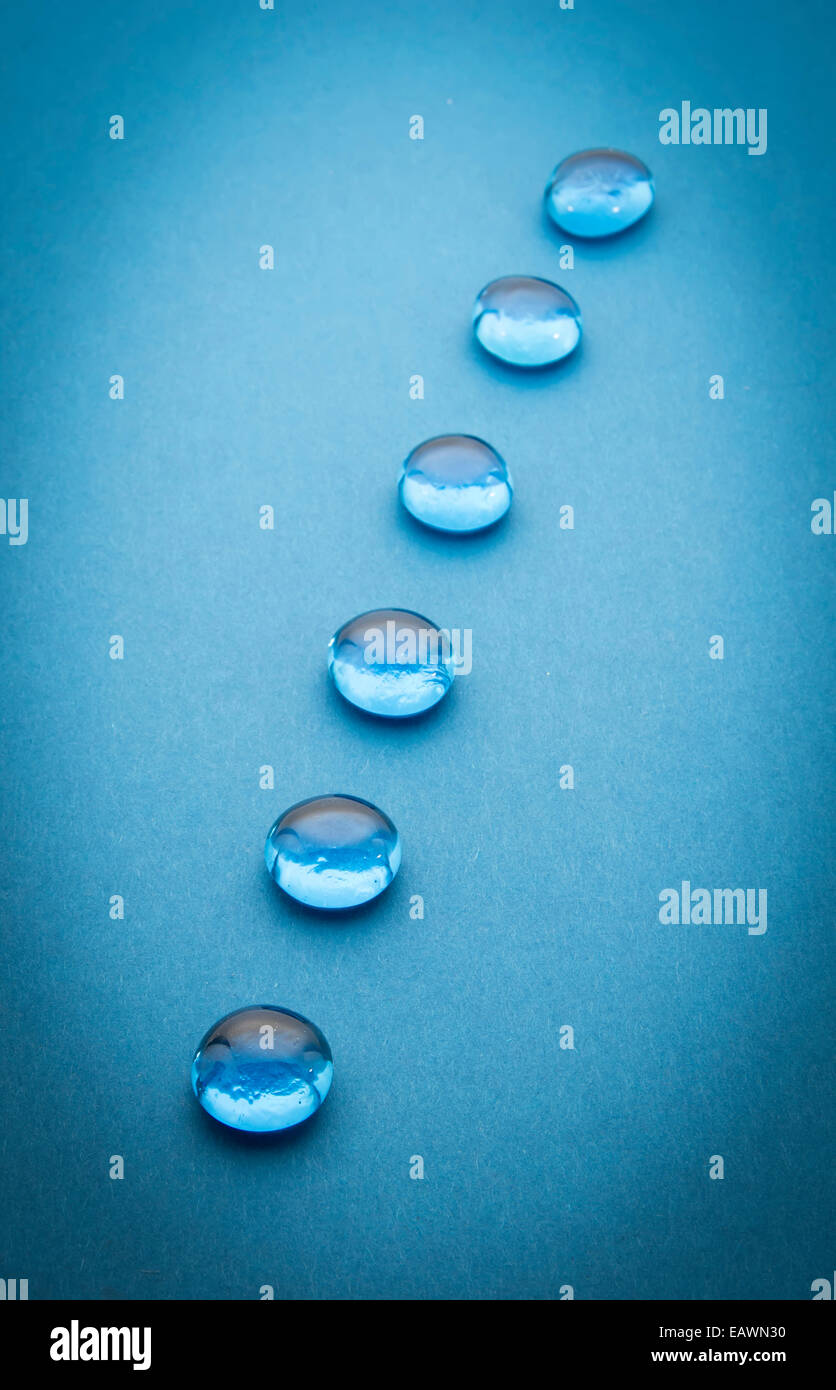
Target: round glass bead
391 662
333 852
456 482
599 192
526 321
262 1068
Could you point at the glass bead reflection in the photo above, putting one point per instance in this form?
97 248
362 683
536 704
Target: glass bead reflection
526 321
455 482
262 1069
391 662
333 852
599 192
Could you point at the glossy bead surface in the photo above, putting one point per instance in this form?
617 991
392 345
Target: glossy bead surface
262 1069
333 852
599 192
455 482
391 662
526 321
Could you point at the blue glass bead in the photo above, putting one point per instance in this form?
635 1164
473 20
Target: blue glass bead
333 852
391 662
455 482
262 1068
526 321
598 192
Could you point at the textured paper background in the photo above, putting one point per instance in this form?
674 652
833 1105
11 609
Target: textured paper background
544 1167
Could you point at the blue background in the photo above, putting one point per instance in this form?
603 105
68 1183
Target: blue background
544 1167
